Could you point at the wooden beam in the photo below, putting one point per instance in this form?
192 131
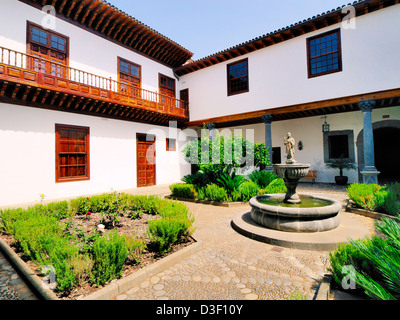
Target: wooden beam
78 104
44 98
27 91
86 104
60 10
3 88
93 104
115 23
317 106
77 13
71 8
62 100
55 96
89 10
108 22
35 96
15 91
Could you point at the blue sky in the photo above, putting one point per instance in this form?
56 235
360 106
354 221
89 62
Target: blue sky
208 26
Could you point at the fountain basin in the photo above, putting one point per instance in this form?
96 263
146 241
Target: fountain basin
311 215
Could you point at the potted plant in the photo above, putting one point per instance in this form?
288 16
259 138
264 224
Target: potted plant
341 164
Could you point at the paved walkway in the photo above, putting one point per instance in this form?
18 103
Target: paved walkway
228 267
12 287
231 266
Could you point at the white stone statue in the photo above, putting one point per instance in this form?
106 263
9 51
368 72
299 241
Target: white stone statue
290 144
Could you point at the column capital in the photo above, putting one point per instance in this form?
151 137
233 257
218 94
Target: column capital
367 105
211 126
267 118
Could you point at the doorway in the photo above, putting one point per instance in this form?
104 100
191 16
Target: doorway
146 160
387 154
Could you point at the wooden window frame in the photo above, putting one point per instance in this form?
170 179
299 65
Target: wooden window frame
59 127
29 40
167 144
229 80
160 75
339 51
130 63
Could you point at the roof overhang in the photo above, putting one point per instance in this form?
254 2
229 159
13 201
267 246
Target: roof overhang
384 99
300 28
104 19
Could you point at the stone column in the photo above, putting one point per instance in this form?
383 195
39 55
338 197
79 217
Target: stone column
369 172
211 126
268 138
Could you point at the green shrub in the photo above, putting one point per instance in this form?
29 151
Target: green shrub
135 246
230 183
262 178
248 190
183 190
391 204
198 179
376 262
376 198
167 231
109 254
213 192
97 258
276 186
58 210
364 194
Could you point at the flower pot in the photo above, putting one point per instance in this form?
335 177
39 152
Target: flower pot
341 180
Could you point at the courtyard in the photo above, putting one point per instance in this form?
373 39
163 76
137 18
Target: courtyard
229 266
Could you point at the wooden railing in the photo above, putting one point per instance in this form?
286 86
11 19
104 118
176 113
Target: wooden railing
44 72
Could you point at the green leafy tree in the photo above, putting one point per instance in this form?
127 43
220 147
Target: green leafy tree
224 154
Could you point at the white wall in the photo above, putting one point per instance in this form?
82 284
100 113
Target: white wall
278 74
27 155
312 137
88 52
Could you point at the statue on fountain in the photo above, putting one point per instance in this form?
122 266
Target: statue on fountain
290 144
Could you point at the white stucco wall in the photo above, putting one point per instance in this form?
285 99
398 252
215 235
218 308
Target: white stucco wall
88 52
27 156
278 74
309 131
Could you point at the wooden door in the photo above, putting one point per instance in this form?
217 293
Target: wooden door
146 160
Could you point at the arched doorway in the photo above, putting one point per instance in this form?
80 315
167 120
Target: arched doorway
387 153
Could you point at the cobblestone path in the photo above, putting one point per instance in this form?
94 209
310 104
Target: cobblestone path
12 287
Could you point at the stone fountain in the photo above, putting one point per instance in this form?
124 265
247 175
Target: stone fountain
291 212
296 221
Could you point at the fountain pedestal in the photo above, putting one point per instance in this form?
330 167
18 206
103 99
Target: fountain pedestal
291 173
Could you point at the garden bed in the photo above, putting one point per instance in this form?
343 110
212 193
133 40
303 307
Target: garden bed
354 208
207 202
148 235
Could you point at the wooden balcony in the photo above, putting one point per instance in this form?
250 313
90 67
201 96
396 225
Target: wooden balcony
30 80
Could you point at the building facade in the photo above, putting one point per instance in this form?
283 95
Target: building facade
92 100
